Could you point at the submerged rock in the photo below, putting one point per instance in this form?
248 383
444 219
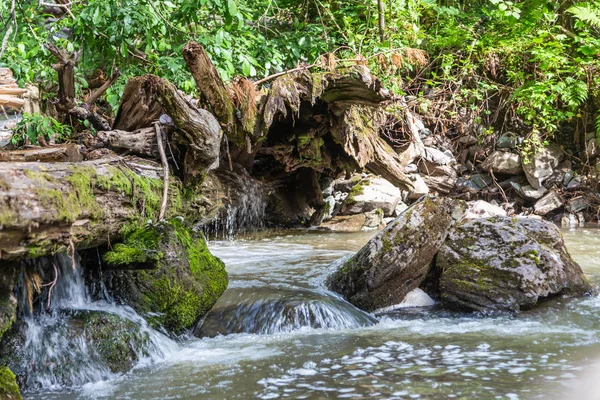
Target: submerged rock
173 284
9 390
505 264
267 310
398 259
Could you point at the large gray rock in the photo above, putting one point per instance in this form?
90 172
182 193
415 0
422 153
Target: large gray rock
440 178
501 162
540 166
371 194
506 264
548 203
398 259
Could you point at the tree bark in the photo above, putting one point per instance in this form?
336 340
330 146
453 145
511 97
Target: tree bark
58 153
210 85
141 142
148 97
46 208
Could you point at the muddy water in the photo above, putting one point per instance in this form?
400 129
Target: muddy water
550 352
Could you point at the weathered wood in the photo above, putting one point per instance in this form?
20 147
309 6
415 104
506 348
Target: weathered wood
50 207
65 68
146 98
210 85
57 153
141 142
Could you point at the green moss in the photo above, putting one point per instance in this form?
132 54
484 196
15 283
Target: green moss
139 246
387 244
9 390
357 190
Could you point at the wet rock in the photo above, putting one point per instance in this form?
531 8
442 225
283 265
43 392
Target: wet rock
263 310
9 390
67 349
354 223
483 209
501 162
506 264
370 194
548 203
398 259
540 166
570 220
174 284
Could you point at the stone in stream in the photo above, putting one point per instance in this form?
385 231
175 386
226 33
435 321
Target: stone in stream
266 310
398 259
174 283
505 264
73 347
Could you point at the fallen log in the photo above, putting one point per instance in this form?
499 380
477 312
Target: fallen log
141 142
58 153
197 131
46 208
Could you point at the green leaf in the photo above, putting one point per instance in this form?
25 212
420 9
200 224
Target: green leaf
169 4
246 68
232 7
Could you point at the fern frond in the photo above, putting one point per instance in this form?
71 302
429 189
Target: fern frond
588 13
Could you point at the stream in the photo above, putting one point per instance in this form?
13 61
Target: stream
310 345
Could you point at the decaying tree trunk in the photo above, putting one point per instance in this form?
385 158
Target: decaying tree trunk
148 97
58 153
141 142
47 208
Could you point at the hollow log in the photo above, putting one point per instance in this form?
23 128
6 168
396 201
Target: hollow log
58 153
148 97
46 208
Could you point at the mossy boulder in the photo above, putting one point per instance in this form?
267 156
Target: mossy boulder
372 193
398 259
167 274
506 264
74 348
9 390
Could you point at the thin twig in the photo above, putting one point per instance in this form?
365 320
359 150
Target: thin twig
52 284
100 91
165 164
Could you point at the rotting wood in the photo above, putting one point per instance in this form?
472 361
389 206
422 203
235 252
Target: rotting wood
56 153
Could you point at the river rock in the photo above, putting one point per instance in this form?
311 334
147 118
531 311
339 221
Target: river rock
172 286
592 150
509 140
528 192
539 167
506 264
70 348
577 204
398 259
355 223
265 310
438 157
420 187
370 194
548 203
501 162
483 209
439 178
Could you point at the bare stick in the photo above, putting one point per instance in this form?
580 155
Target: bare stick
165 164
100 91
52 284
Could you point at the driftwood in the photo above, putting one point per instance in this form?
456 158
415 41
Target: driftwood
197 131
47 208
57 153
141 142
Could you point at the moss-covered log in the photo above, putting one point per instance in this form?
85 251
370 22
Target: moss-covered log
197 135
47 208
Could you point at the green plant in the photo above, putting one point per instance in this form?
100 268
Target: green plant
35 126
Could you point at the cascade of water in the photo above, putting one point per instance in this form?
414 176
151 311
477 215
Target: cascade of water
77 340
267 311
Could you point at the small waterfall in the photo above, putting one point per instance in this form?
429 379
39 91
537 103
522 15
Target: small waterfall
246 208
72 340
267 311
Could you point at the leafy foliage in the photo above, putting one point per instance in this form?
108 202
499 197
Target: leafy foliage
34 126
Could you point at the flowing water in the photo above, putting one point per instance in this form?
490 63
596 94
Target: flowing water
293 339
